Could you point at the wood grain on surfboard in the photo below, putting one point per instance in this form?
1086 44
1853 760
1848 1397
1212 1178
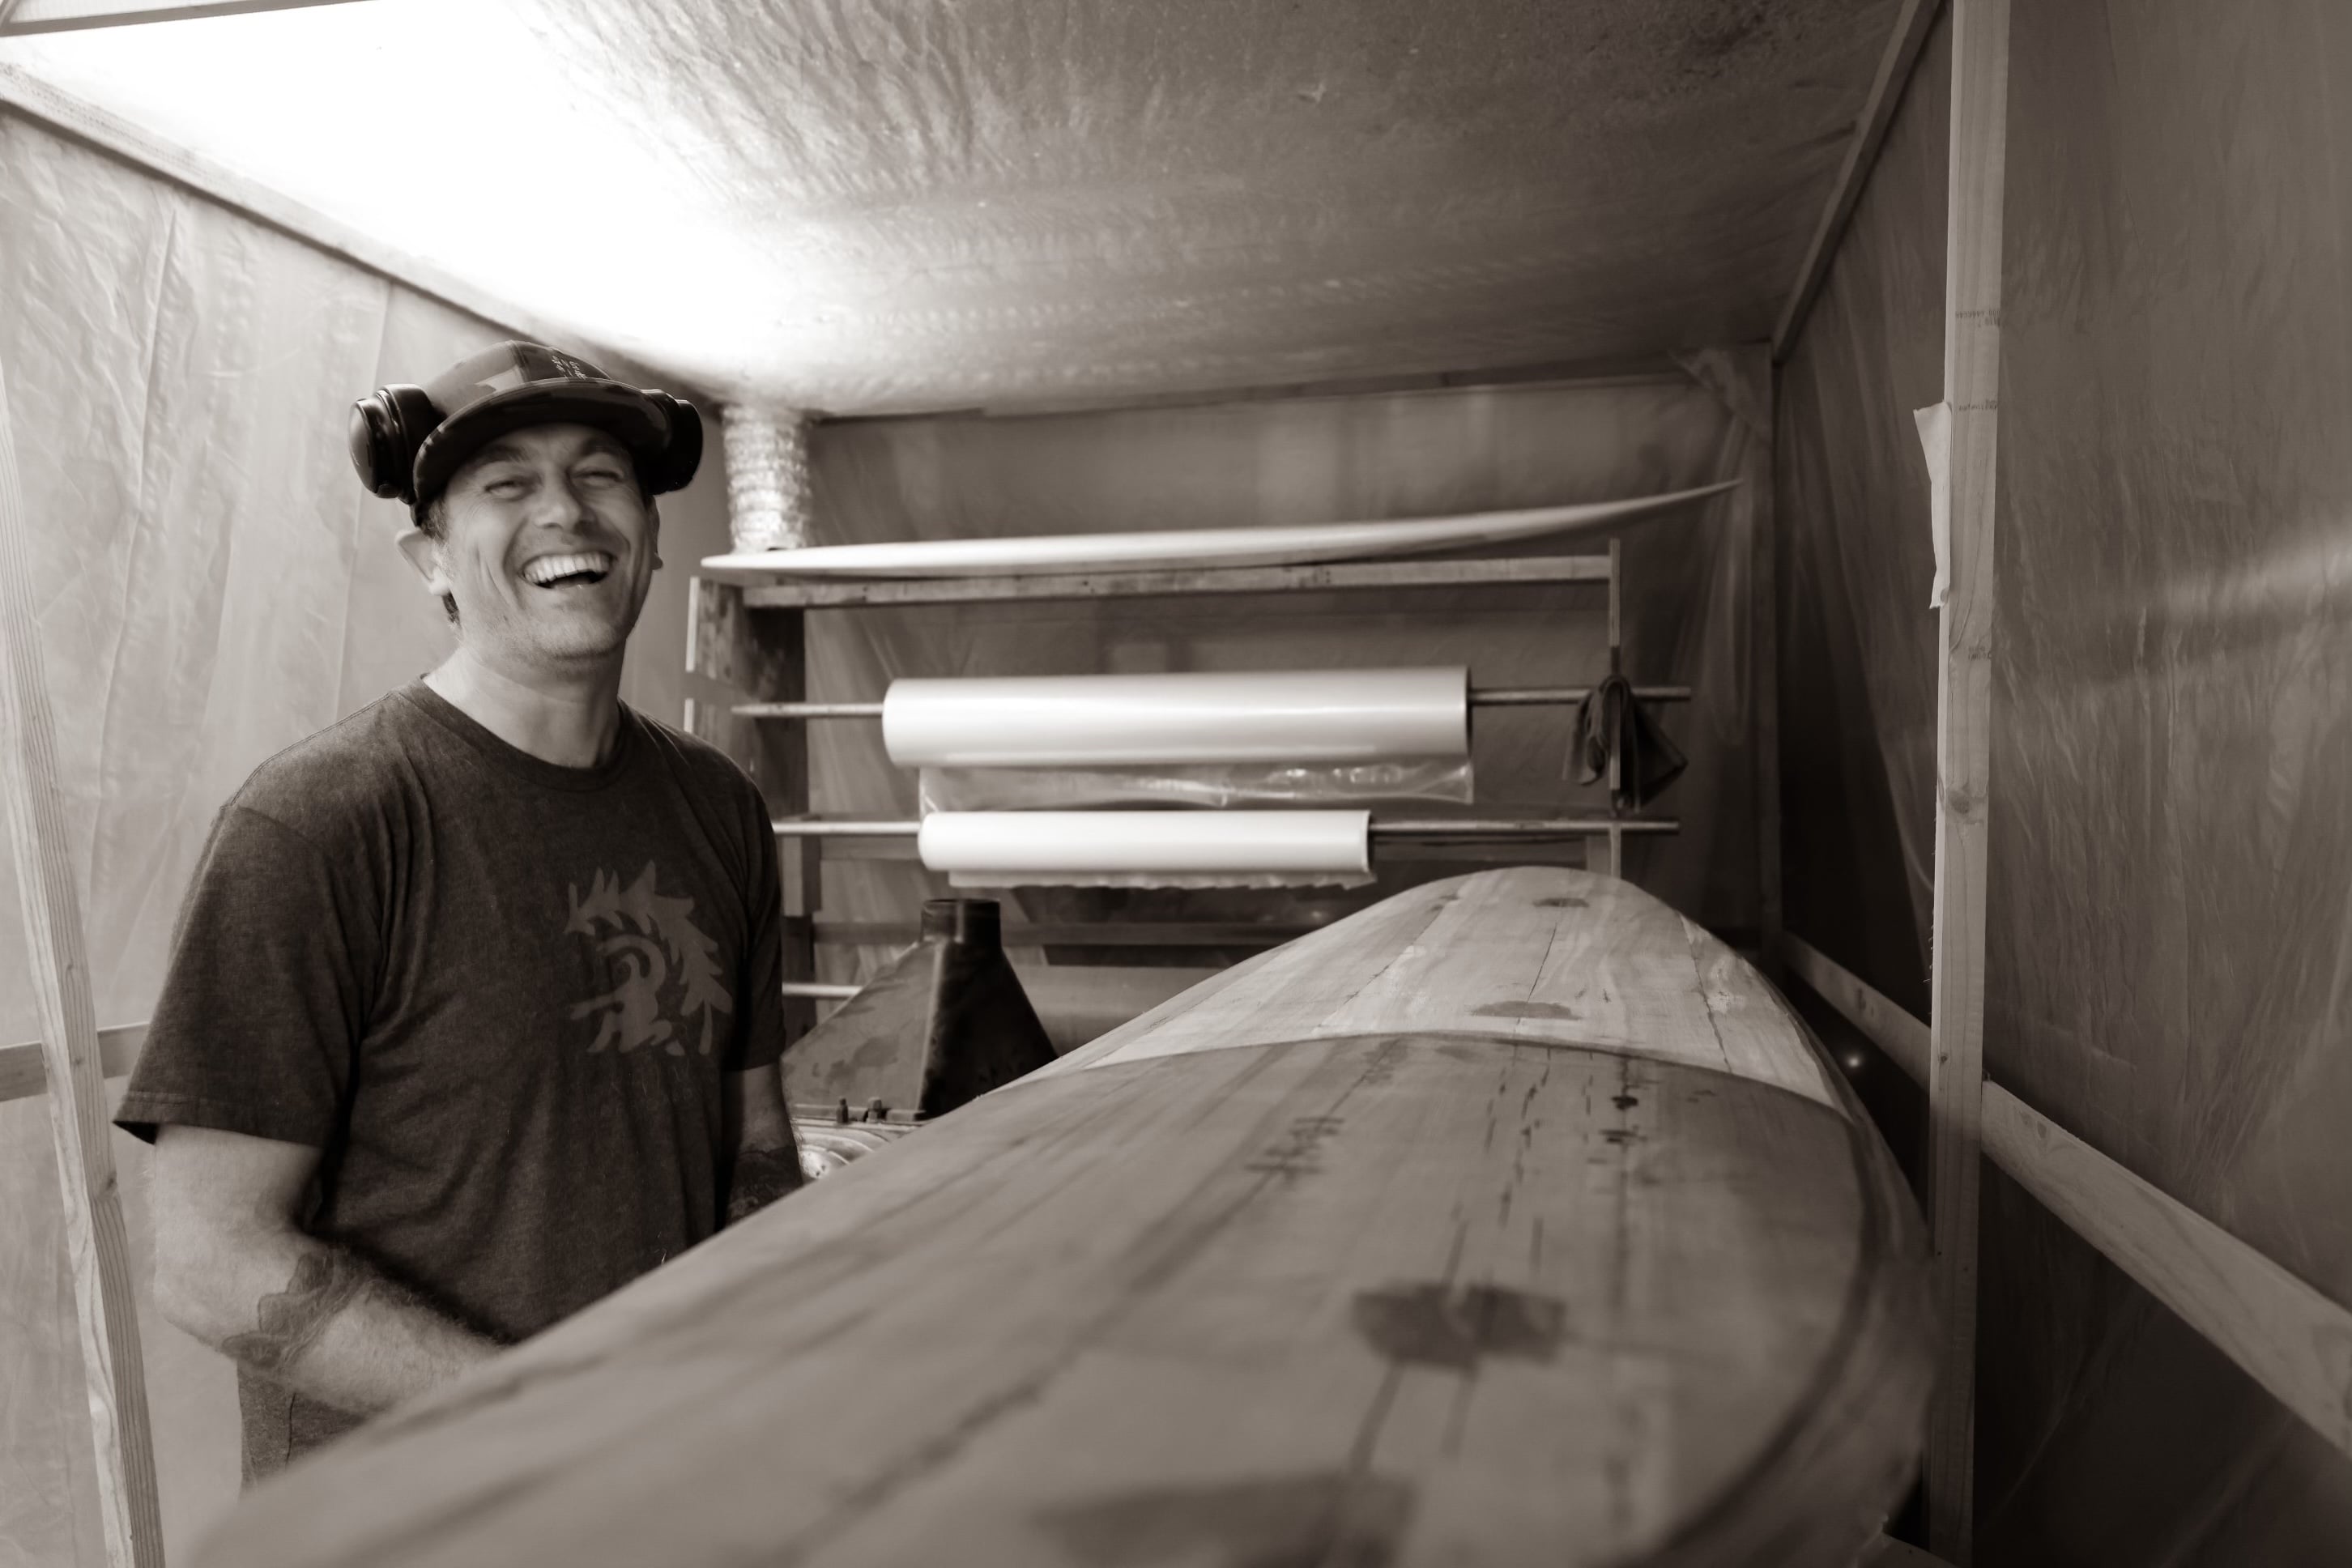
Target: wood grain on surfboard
1449 1256
1198 547
1533 953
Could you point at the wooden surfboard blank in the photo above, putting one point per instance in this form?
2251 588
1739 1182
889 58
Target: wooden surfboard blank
1514 1220
1052 553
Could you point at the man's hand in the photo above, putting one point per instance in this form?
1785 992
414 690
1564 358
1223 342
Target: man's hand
233 1268
767 1156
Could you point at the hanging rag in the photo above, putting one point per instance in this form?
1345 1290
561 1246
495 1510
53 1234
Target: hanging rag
1611 718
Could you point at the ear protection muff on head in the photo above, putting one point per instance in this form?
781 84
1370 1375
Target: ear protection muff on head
672 468
403 437
387 427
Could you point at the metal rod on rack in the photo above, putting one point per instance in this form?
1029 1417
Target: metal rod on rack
1416 827
807 710
1546 696
821 990
1480 697
1521 827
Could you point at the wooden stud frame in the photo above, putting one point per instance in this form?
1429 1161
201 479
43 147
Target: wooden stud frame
18 16
768 663
1904 44
1963 748
2287 1336
2294 1340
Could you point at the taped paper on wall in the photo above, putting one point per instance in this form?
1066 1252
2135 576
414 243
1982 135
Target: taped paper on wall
1936 440
1324 716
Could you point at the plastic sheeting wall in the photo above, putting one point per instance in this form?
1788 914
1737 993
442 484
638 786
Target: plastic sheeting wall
1305 460
2171 938
214 585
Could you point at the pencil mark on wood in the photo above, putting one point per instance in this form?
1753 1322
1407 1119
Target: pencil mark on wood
1524 1010
1291 1521
1457 1326
1296 1154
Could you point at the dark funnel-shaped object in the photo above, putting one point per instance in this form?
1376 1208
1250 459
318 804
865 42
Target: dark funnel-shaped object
948 1021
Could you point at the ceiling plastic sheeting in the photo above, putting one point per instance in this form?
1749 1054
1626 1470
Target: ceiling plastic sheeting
863 205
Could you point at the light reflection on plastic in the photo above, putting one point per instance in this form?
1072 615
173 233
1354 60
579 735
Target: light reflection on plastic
446 130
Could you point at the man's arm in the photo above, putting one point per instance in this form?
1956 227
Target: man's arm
234 1269
767 1156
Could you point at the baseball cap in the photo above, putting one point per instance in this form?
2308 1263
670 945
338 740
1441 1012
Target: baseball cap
506 387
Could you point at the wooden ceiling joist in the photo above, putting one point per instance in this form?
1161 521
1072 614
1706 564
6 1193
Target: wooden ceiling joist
21 17
1912 25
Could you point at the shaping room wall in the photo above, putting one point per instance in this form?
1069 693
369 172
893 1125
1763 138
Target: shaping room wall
2170 942
213 586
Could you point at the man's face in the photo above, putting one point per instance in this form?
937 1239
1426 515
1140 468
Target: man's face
548 548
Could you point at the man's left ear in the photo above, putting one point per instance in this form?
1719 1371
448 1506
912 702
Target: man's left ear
424 554
652 530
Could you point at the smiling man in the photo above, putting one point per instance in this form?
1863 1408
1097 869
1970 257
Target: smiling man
475 1006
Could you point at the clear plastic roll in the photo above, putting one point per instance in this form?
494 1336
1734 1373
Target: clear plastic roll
1013 848
1223 786
1325 716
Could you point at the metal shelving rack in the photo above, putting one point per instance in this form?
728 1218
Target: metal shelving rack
751 636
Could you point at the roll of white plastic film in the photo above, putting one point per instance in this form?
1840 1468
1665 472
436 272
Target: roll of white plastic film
1113 720
970 843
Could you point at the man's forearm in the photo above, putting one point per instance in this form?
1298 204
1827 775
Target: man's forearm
340 1332
762 1174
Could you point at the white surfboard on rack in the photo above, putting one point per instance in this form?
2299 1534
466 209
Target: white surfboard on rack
1052 554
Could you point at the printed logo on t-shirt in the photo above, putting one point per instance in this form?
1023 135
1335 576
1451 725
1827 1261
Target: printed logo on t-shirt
663 970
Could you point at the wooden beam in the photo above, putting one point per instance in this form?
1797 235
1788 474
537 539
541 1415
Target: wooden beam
24 94
1979 143
2293 1341
24 1072
2285 1335
1888 1553
1897 1033
74 16
1912 25
96 1246
1764 633
849 595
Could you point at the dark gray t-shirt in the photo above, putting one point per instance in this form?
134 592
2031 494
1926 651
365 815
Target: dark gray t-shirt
498 995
